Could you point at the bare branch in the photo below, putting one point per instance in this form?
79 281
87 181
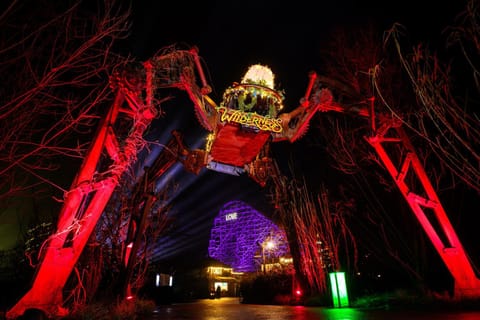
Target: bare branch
56 59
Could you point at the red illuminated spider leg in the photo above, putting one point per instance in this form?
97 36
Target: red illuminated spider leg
205 87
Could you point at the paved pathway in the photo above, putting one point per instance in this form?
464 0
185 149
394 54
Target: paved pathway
231 309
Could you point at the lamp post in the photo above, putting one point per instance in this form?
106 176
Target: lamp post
269 245
263 258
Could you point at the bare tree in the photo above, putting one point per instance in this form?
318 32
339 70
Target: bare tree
447 95
98 275
432 91
319 238
55 59
434 99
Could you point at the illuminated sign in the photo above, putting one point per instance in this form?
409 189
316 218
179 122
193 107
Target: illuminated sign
231 216
251 119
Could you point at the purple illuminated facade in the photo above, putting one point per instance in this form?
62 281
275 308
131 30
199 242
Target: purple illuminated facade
239 236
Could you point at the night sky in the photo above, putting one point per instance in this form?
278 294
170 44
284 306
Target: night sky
232 35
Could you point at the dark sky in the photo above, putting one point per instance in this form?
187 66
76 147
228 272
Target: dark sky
231 36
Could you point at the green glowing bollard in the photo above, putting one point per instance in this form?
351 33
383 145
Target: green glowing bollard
339 289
